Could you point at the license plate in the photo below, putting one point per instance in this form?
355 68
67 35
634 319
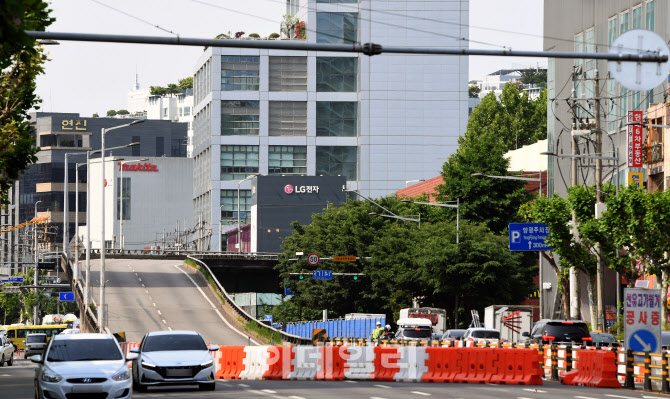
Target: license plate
178 373
86 388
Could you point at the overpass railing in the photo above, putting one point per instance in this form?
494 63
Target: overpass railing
182 253
294 339
88 318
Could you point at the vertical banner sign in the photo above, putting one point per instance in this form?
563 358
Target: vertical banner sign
634 141
642 320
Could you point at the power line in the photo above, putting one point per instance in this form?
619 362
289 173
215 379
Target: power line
134 17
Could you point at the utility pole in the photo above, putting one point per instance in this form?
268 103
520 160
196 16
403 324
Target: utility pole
600 280
574 276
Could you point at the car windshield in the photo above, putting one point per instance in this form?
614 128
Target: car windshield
36 339
485 334
417 333
575 330
455 333
79 350
174 342
603 338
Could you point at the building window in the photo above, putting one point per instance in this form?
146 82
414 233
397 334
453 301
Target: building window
650 16
336 119
178 148
589 47
649 99
238 161
239 73
637 103
623 23
288 118
240 118
229 207
337 27
637 17
123 198
288 73
337 1
136 148
611 30
287 160
336 161
187 111
181 111
160 146
336 74
579 48
165 112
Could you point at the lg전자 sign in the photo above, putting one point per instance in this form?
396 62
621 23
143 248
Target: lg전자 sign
642 319
528 237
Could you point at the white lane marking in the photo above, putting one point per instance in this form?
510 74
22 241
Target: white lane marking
241 385
135 273
295 397
382 386
652 397
215 308
159 312
143 286
534 390
140 279
375 397
170 328
351 382
420 393
588 397
164 321
5 375
154 303
622 397
268 391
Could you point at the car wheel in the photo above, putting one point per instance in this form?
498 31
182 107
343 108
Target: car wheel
2 360
207 387
10 362
38 395
141 388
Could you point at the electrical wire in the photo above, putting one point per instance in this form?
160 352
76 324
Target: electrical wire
134 17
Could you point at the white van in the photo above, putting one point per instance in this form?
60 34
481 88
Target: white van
412 329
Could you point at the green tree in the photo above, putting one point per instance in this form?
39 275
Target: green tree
158 91
172 89
255 35
186 83
274 36
534 76
122 112
95 115
21 61
473 91
111 112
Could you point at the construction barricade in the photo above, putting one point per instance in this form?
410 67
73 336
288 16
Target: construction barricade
359 365
332 361
443 364
411 363
596 368
279 363
385 363
517 367
231 362
305 362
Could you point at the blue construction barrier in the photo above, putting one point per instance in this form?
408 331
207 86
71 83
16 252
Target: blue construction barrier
356 328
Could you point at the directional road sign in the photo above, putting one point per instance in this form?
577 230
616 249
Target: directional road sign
642 319
12 280
346 258
322 275
528 237
313 259
66 296
268 317
288 292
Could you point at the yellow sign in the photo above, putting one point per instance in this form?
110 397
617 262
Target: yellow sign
319 335
347 258
73 124
635 179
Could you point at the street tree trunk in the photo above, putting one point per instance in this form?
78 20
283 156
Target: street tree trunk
591 280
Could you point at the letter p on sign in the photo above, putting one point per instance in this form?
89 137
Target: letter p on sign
516 235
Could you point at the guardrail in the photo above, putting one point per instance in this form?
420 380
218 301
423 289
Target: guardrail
89 318
181 253
294 339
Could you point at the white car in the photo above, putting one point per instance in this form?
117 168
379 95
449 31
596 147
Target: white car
82 366
173 358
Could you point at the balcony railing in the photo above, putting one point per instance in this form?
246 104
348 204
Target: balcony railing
653 152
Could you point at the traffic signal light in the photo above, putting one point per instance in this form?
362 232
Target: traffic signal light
355 277
301 277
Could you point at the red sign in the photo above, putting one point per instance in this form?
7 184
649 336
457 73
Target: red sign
313 259
288 189
138 167
634 141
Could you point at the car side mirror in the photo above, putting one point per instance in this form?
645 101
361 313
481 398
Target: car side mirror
131 356
213 348
525 334
36 359
134 350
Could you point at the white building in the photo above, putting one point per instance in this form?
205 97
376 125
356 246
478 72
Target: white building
379 121
156 198
495 81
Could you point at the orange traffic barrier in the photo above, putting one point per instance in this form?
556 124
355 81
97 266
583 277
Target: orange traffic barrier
517 367
596 369
443 363
279 362
231 361
477 365
385 363
331 363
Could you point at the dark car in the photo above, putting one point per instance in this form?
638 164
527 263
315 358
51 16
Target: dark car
665 340
604 340
559 332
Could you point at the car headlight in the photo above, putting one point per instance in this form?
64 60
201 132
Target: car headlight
148 365
122 374
208 363
50 376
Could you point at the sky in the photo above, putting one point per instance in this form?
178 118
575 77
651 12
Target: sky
93 77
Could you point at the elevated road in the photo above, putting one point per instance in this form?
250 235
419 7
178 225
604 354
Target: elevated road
153 294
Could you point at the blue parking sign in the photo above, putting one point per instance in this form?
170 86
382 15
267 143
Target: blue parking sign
528 237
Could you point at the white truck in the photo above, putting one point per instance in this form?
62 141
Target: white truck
437 317
510 320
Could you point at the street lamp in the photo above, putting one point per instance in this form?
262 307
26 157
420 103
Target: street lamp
66 211
121 238
447 204
537 179
239 235
369 200
403 218
36 278
101 305
87 290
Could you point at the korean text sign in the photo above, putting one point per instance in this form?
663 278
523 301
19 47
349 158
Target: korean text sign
642 319
634 140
